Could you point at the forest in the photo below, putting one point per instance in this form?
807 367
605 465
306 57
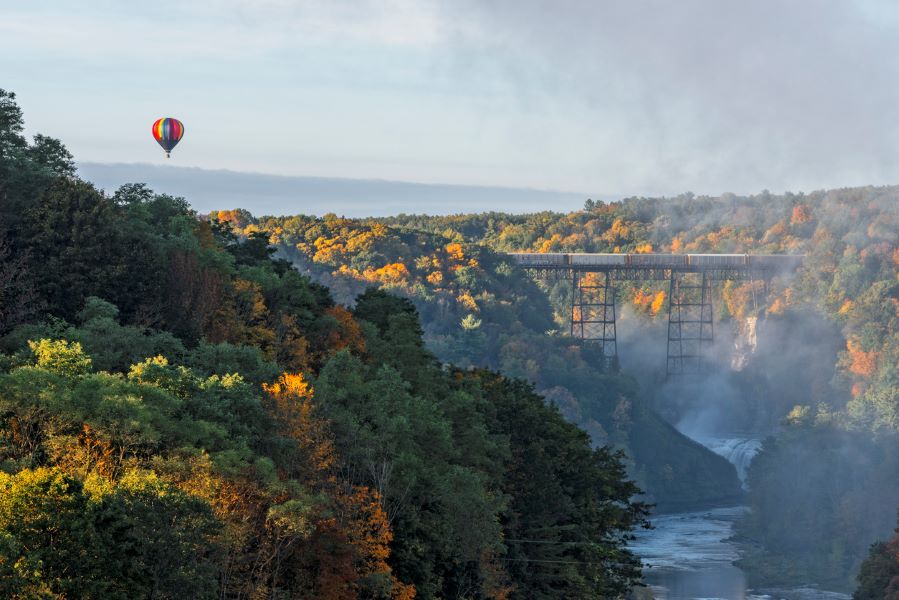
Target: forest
821 383
826 484
184 415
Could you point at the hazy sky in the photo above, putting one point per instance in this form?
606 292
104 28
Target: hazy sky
600 97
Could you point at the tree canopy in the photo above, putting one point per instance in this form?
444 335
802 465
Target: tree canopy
182 415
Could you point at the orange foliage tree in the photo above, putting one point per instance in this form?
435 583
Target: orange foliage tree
348 334
802 213
393 273
861 363
351 543
743 299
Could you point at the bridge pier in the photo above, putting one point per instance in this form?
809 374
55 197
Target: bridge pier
690 323
593 312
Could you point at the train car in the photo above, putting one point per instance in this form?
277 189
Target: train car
538 259
596 260
720 261
664 261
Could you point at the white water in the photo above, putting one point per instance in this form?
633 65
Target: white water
689 556
738 450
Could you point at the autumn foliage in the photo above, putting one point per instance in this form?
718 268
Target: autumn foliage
861 363
354 534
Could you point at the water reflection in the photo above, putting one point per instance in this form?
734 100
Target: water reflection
689 557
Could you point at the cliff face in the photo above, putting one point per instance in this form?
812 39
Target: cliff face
745 342
678 472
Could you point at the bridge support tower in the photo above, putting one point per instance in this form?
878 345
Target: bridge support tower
690 322
593 313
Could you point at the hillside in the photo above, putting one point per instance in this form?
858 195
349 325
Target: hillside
823 372
477 310
181 415
824 377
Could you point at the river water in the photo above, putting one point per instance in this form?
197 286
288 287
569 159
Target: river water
688 556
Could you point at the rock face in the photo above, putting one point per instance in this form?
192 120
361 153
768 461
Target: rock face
745 343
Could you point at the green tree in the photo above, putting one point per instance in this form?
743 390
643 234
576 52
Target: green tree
158 541
572 508
50 538
50 154
878 578
137 539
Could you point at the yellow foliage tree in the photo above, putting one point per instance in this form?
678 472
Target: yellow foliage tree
550 245
618 231
657 303
391 274
327 250
468 302
454 251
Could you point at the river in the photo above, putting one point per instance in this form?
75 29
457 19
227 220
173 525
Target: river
689 555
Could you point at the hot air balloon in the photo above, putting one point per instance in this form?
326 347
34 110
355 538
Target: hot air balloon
168 132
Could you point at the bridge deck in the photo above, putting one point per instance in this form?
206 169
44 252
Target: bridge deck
678 262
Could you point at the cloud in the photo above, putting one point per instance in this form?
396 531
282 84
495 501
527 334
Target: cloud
616 98
221 30
742 94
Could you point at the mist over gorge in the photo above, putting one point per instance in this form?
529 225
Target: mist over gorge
805 376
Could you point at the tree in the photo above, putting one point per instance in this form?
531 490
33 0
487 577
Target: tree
159 541
72 234
11 125
878 578
135 539
355 533
62 357
50 154
554 479
51 543
18 298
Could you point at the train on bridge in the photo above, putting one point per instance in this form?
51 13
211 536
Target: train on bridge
558 260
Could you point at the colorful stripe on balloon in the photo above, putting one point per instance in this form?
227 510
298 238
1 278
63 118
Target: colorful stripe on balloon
168 132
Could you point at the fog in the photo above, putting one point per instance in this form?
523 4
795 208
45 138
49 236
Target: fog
742 391
208 190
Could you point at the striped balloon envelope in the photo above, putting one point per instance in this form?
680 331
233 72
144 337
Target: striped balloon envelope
168 132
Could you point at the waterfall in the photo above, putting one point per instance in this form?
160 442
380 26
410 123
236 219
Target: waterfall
738 450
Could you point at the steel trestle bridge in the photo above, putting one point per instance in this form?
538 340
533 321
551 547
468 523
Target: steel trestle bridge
690 278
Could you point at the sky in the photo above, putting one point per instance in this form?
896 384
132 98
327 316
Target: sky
595 98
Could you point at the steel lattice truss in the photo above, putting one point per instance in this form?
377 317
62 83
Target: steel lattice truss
690 310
